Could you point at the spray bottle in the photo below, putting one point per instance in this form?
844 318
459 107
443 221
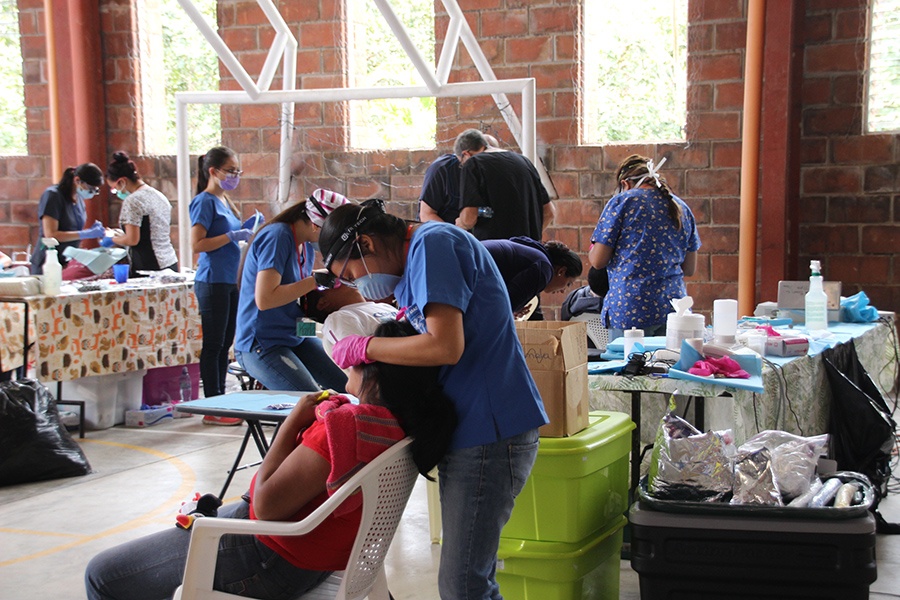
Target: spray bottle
52 278
816 300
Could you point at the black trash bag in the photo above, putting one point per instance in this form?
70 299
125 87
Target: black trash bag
861 427
34 445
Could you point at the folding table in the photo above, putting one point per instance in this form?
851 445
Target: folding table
256 407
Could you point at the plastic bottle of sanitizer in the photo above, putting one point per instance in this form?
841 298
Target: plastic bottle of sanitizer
52 278
816 300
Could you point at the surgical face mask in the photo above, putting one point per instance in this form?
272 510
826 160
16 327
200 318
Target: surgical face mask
315 246
122 194
85 194
230 182
376 286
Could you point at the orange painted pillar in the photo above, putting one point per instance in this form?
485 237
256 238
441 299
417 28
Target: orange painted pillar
750 136
75 78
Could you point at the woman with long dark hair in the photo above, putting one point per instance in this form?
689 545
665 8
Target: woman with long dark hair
299 472
276 272
215 233
62 214
145 217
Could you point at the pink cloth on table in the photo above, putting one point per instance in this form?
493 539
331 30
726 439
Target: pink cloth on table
770 332
724 366
357 433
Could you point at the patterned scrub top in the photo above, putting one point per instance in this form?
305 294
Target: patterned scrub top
648 251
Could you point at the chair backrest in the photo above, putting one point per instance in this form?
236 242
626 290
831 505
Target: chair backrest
386 489
595 329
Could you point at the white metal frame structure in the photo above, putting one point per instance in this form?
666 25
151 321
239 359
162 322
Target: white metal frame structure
284 48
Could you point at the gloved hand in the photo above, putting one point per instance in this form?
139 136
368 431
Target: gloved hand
239 235
94 231
351 351
107 242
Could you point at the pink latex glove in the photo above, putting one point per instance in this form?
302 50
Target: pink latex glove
724 366
770 332
351 351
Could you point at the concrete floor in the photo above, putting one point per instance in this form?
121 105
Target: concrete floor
49 530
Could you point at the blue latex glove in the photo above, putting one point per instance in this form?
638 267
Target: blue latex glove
107 242
94 231
239 235
856 309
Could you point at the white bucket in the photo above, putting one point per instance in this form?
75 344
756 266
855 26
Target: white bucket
683 328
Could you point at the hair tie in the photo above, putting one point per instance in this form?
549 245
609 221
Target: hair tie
652 171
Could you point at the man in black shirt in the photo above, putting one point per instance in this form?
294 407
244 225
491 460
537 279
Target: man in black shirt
439 199
501 194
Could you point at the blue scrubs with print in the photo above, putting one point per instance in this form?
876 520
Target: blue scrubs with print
648 251
496 400
215 285
267 345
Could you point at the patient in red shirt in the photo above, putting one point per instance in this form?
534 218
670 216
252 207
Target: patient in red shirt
308 460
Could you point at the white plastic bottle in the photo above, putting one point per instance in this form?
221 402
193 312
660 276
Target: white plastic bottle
52 278
633 336
816 300
185 385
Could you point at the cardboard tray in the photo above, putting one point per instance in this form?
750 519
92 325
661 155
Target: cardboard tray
753 510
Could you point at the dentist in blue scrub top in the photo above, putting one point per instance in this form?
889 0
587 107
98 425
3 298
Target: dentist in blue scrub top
449 288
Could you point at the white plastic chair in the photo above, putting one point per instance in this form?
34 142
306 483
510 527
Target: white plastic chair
595 329
386 484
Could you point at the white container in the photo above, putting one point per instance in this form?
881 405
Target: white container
52 277
633 336
682 328
725 314
816 300
755 340
106 397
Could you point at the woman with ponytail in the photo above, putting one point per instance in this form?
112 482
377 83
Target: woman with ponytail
453 295
277 270
215 233
145 217
647 240
62 214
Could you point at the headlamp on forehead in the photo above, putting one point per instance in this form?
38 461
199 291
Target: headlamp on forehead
350 234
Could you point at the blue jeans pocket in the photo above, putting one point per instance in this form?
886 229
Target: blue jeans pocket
521 459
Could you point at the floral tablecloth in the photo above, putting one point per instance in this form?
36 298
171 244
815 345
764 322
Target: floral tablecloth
125 328
797 397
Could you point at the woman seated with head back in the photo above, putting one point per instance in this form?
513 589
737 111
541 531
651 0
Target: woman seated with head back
296 476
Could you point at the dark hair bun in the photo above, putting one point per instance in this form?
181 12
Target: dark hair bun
121 157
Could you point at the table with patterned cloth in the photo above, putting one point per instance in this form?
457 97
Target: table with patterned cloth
797 396
129 327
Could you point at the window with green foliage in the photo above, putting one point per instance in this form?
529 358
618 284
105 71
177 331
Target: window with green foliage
883 97
635 71
376 59
175 57
13 133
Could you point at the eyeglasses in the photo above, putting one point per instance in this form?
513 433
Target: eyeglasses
233 171
349 236
94 189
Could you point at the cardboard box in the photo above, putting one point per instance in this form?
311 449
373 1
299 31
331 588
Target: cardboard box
556 354
151 415
787 346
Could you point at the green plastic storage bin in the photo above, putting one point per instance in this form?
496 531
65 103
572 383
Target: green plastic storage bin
588 570
579 484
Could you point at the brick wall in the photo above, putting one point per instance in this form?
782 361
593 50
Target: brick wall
848 182
849 207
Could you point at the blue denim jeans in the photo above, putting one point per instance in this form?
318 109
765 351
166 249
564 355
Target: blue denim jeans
303 368
150 568
478 488
218 316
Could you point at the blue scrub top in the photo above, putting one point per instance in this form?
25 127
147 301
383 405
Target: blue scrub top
648 251
273 247
491 387
220 265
